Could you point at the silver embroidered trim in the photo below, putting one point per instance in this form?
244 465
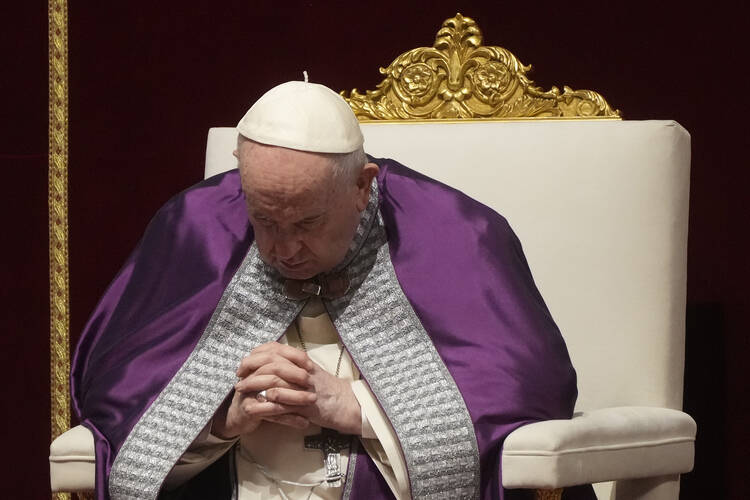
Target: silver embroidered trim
253 310
395 355
385 339
351 464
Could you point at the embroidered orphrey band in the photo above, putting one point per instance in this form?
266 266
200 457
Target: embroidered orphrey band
253 310
247 316
383 336
397 358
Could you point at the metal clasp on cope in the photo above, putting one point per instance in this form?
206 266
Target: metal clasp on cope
311 288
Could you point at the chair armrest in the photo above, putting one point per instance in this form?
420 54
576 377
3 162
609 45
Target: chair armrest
601 445
72 461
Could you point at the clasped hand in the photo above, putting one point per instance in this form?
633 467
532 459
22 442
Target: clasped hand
298 392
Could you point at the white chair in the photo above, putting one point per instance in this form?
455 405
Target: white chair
601 209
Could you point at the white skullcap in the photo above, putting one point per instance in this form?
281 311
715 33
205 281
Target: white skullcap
303 116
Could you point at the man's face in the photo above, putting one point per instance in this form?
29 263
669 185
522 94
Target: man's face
304 218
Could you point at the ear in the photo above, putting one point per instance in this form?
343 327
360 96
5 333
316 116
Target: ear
364 179
236 154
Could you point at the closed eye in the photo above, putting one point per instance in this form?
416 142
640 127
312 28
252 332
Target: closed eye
310 221
264 222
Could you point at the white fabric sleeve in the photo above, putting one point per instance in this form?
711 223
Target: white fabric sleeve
202 452
384 448
367 431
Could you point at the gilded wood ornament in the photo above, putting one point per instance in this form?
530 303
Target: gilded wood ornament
548 494
459 78
58 218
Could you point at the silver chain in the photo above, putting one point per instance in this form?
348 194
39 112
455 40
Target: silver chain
304 347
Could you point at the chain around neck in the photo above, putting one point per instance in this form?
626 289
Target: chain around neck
304 347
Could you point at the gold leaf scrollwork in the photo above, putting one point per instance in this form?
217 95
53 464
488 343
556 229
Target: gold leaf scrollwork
459 78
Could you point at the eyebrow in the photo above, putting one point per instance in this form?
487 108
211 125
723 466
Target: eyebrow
310 218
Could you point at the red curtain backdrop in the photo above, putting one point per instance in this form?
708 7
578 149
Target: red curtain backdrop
147 81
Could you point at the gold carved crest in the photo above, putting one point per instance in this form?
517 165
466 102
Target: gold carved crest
459 78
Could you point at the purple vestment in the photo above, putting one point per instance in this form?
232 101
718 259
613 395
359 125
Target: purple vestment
458 263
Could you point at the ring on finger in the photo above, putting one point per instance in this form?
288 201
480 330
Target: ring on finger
261 396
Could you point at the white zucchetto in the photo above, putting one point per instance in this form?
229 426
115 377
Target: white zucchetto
303 116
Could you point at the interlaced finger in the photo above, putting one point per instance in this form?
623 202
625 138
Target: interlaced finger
257 410
270 352
258 382
293 397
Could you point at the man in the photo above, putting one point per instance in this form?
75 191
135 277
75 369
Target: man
367 333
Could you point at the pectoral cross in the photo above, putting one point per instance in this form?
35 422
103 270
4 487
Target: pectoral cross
331 443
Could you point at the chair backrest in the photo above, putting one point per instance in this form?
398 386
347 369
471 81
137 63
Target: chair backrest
601 209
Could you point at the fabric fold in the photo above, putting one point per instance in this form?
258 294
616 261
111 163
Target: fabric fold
492 351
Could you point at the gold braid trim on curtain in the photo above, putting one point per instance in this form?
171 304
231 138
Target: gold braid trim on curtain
59 291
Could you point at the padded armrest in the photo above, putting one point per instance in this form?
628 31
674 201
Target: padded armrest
72 461
601 445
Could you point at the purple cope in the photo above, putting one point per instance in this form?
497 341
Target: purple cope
458 262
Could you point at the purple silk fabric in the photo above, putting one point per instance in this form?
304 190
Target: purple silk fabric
155 310
458 262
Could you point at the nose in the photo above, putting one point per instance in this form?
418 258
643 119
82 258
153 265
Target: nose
286 245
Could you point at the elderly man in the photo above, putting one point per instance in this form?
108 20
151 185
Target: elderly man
317 326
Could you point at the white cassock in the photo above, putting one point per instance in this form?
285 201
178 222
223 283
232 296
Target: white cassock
274 456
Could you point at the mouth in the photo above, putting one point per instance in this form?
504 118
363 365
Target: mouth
291 268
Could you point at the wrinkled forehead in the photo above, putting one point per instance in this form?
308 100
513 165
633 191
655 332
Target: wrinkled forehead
280 175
